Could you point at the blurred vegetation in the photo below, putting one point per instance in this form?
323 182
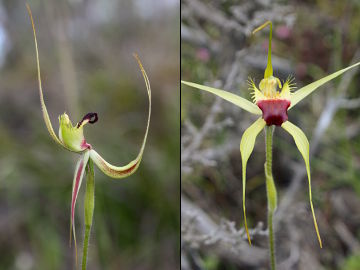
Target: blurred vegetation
322 39
352 263
86 58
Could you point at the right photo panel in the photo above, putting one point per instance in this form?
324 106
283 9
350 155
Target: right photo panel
270 135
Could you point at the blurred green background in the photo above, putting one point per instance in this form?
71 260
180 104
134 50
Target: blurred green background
310 39
86 58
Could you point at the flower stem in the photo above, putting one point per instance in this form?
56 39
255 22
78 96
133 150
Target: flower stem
271 193
271 241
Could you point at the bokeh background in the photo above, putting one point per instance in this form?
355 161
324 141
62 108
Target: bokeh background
310 39
86 51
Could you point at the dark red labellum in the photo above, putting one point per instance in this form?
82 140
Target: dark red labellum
92 117
274 111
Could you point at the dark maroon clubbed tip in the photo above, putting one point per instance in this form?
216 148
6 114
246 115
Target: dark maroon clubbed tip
274 111
92 117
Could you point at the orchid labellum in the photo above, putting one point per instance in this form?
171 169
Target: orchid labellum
271 101
71 137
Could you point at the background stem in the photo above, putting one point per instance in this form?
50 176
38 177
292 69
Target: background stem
271 193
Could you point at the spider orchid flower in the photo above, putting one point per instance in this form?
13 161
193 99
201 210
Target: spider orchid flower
71 137
271 101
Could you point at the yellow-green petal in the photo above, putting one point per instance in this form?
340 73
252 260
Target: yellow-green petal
43 107
235 99
246 147
302 144
308 89
131 167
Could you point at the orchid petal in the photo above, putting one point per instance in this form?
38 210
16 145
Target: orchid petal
235 99
89 208
308 89
302 144
78 176
246 147
130 168
43 106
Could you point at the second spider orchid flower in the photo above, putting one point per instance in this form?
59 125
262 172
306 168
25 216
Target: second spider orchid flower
71 137
272 101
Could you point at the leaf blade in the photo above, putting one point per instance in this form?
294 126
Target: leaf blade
89 209
228 96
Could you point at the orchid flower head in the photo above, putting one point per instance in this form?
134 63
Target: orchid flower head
71 137
272 100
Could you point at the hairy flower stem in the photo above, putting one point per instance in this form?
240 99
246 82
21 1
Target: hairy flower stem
86 245
89 208
271 241
271 192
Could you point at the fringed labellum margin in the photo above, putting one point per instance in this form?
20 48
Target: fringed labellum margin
273 103
274 111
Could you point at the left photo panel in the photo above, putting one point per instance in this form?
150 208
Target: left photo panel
89 134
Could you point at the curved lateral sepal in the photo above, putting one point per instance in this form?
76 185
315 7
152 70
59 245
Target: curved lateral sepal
246 147
114 171
131 167
228 96
302 144
78 176
308 89
43 106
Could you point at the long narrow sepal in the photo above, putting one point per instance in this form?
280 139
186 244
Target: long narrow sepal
246 147
78 176
130 168
302 144
43 106
235 99
308 89
269 68
114 171
89 208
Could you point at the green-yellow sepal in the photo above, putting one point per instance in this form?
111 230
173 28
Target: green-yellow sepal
246 147
302 144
